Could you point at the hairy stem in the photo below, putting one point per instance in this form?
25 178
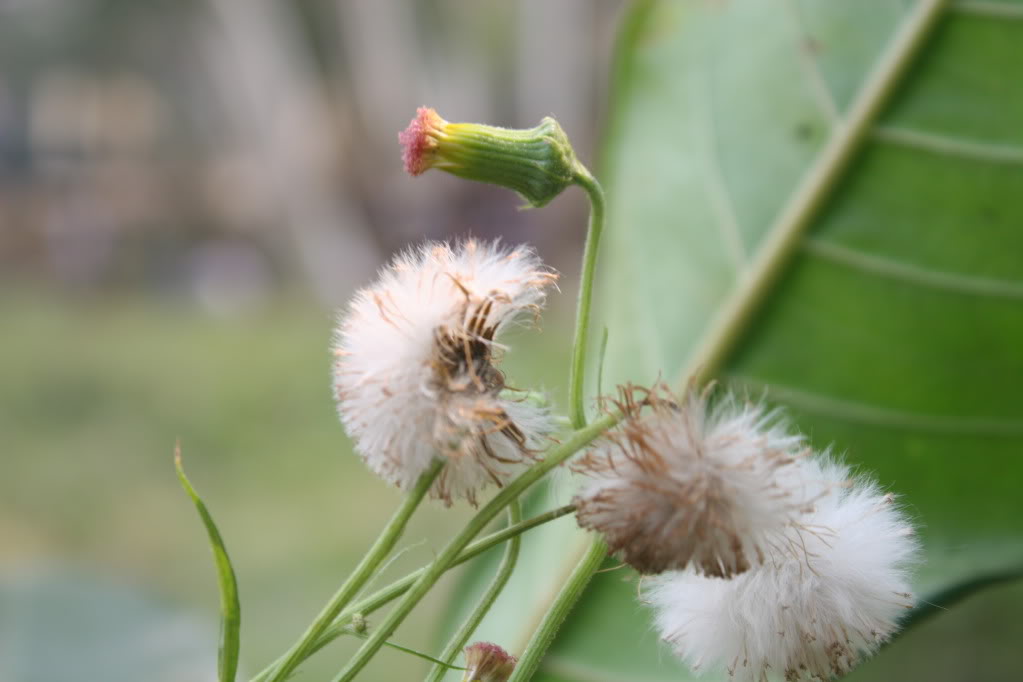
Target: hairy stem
504 572
385 595
570 592
363 572
449 554
577 409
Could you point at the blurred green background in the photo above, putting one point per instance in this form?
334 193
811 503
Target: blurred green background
95 391
187 193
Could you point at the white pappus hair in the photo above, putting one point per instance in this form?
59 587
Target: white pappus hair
415 372
822 601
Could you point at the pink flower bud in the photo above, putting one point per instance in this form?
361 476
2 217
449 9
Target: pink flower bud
538 163
486 662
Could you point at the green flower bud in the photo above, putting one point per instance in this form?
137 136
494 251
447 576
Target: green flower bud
538 163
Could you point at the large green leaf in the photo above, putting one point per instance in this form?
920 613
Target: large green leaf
896 330
777 153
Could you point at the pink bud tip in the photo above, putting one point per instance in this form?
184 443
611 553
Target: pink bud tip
418 141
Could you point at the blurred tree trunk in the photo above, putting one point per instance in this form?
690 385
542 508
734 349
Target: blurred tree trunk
269 89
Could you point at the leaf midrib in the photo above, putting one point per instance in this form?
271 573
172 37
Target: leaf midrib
784 237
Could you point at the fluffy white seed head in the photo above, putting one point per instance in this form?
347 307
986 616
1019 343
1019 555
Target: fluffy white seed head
415 375
825 599
680 484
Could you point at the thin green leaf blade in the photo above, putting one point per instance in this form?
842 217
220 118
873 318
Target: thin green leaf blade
230 606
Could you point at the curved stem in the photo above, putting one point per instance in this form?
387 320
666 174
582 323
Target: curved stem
559 610
572 590
449 554
385 595
504 572
577 409
363 572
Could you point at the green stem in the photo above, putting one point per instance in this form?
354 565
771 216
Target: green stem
449 554
573 588
386 595
363 572
504 571
412 652
571 591
577 409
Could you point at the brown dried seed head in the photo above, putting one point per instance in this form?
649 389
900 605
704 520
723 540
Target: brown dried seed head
680 484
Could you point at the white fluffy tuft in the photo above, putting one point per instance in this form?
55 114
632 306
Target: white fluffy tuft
415 372
827 597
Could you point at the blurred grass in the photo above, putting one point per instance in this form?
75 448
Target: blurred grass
95 391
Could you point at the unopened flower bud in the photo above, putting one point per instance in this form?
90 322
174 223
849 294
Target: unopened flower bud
538 163
486 662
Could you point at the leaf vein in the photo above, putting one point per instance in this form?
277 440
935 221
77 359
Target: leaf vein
989 8
914 274
874 415
948 145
